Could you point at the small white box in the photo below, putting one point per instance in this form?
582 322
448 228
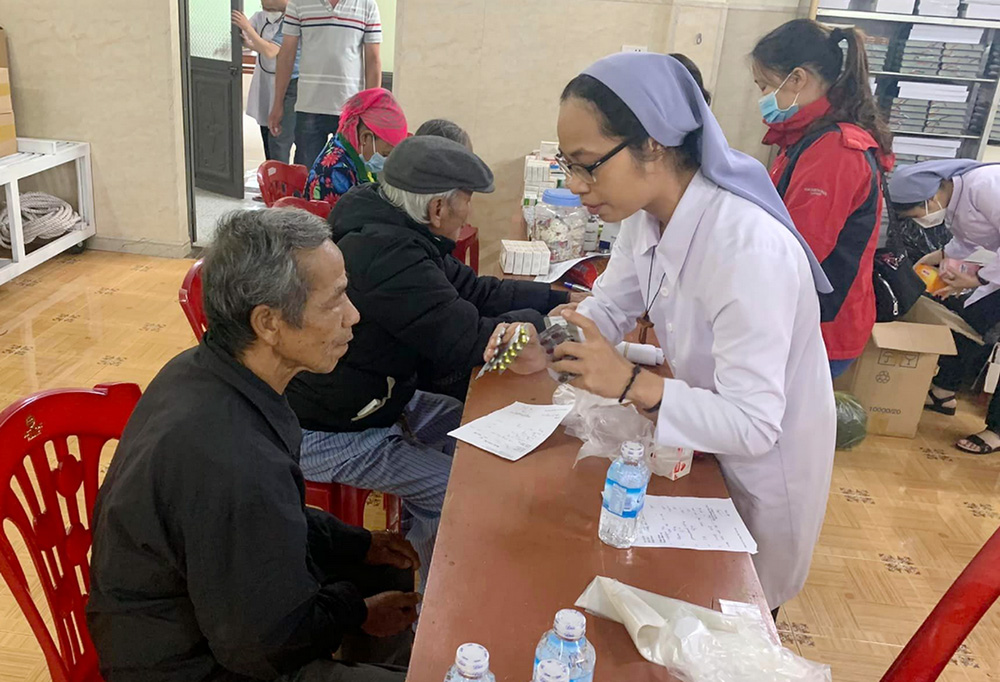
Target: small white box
669 462
992 371
548 150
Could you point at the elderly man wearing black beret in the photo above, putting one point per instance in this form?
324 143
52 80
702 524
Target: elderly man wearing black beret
426 319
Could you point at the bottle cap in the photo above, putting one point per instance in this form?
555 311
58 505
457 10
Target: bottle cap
570 624
632 450
472 659
551 670
560 197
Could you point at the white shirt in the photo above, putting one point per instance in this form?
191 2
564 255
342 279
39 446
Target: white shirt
331 43
261 94
737 314
973 217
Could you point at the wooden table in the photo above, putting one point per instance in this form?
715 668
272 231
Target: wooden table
518 541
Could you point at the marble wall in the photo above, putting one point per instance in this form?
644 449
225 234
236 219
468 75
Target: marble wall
110 77
497 67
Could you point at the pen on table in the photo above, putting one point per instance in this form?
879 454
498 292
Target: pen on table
577 287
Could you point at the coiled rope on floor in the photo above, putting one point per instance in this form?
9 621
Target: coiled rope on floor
42 216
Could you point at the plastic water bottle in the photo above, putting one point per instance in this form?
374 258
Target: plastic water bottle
624 497
472 662
551 670
566 643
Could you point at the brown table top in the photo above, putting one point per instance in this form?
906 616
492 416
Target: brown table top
518 541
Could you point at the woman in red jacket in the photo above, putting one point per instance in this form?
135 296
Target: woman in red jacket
834 147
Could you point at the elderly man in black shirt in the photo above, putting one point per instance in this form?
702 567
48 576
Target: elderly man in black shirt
206 563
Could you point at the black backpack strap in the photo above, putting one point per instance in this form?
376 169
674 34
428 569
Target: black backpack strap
795 151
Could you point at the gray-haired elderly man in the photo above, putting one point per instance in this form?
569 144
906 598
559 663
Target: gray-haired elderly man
425 318
206 563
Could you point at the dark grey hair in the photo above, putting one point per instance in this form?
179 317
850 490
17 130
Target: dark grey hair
253 261
442 127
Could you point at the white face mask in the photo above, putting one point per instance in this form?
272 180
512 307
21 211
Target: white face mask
933 218
273 16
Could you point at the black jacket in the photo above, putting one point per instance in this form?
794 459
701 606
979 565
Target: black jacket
422 313
206 563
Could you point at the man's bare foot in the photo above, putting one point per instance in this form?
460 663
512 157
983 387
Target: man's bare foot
982 443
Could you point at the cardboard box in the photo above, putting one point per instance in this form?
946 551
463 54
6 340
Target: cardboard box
894 373
8 136
6 105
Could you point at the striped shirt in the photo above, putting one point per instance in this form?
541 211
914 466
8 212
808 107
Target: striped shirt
332 40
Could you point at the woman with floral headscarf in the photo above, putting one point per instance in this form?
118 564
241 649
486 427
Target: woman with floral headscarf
709 257
371 125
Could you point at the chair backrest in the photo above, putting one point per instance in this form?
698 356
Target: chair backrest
960 609
48 485
319 208
190 298
277 180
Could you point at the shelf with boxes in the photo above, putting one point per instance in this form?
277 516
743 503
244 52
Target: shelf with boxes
935 67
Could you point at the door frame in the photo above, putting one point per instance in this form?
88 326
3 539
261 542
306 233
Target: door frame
186 116
187 112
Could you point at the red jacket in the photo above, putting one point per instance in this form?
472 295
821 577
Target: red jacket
831 181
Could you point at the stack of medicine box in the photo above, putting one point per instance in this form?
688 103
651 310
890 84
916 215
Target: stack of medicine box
524 258
954 60
541 172
877 48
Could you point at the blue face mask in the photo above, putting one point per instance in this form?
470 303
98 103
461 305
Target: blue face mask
770 110
375 164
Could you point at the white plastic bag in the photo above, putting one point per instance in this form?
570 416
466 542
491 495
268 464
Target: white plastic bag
697 644
601 423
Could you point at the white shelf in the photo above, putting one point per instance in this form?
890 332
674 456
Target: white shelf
945 136
36 156
906 18
925 77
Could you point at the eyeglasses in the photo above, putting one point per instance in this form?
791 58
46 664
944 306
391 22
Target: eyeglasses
586 173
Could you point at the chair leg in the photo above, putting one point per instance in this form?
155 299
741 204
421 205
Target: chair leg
350 506
474 255
393 512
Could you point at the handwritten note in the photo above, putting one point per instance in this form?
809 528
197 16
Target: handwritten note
694 523
514 431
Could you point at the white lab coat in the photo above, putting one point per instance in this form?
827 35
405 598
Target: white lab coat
738 318
973 217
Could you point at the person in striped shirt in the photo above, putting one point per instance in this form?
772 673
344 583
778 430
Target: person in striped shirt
340 56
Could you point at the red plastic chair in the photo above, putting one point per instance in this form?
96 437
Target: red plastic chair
190 298
277 180
343 501
963 605
320 208
468 244
53 517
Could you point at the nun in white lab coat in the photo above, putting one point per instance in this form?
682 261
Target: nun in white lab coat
708 256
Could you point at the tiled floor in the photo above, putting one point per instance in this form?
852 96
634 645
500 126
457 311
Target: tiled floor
904 516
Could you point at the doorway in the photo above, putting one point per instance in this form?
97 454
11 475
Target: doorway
212 81
224 146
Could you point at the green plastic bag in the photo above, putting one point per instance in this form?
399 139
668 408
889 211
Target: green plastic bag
852 420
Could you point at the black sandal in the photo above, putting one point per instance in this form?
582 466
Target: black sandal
982 447
937 404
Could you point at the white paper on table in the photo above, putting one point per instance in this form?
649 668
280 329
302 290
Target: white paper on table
513 431
696 643
557 270
703 523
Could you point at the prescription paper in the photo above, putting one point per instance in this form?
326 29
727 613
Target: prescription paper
513 431
694 523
